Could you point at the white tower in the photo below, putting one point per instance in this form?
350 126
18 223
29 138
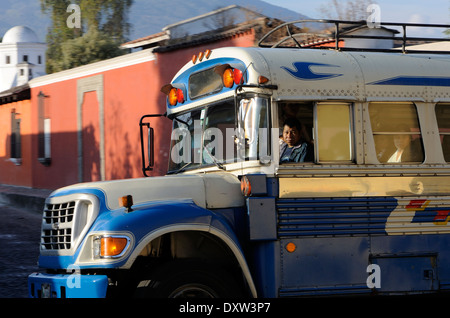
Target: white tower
22 57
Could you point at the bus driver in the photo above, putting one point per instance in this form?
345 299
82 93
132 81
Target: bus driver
293 147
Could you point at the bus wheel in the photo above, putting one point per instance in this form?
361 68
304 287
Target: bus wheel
188 280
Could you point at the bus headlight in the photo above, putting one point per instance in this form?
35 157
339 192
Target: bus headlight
110 246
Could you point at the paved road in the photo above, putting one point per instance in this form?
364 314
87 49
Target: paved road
19 250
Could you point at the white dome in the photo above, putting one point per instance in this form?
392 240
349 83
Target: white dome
19 34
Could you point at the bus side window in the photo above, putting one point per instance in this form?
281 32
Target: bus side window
396 132
303 112
443 120
334 132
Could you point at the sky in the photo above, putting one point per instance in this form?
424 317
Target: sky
406 11
423 11
28 12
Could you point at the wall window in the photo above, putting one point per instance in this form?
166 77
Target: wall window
8 59
39 59
16 148
396 132
25 58
443 120
44 132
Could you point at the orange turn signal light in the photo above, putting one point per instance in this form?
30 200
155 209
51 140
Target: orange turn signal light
228 78
232 76
111 246
176 96
246 187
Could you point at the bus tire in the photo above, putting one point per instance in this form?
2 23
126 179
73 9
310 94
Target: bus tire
188 280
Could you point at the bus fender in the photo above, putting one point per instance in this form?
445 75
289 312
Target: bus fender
190 217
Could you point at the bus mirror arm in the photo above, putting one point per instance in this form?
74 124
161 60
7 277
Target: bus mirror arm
150 143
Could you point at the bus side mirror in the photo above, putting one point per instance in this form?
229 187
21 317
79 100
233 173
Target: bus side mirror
149 157
147 143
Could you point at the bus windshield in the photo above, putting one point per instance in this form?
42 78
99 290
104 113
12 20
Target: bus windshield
215 135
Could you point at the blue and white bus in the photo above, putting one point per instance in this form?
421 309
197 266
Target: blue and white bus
358 204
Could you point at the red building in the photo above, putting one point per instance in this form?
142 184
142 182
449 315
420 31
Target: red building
82 124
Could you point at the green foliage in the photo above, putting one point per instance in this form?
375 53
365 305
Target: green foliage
93 46
104 27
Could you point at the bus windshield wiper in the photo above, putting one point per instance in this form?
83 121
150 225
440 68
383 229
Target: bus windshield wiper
215 160
183 168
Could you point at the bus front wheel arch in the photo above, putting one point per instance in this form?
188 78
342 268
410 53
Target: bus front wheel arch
188 279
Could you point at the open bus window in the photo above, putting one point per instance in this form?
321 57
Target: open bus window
396 132
443 120
292 113
326 130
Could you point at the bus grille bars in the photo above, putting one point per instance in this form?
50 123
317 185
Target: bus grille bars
341 30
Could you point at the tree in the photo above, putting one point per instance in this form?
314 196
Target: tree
103 28
93 46
350 10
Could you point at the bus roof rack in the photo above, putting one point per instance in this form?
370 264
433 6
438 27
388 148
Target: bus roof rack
342 30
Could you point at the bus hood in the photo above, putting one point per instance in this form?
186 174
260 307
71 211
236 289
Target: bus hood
211 191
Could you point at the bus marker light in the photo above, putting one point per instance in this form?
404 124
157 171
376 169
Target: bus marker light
290 247
262 80
180 96
237 74
127 202
228 78
246 187
194 59
176 95
173 97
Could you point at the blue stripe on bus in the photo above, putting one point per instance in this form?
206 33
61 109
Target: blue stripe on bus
414 81
440 216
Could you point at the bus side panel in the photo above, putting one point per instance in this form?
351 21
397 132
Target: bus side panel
361 245
264 264
412 262
320 266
